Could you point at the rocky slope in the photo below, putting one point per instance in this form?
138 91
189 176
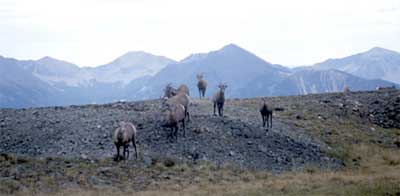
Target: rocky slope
238 138
47 150
86 131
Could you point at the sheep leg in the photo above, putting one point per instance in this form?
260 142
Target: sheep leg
199 93
271 120
263 120
171 135
214 109
127 151
124 152
118 155
134 146
176 132
187 113
184 128
221 110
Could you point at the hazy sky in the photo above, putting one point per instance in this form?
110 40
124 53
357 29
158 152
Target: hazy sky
94 32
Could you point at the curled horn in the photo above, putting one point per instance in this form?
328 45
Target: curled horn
222 85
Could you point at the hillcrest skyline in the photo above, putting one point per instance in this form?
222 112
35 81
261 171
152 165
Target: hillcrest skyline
142 52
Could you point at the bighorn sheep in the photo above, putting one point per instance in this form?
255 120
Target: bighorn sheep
202 85
219 99
346 89
174 115
266 114
123 135
170 91
180 98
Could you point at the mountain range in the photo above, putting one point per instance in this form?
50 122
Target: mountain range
377 63
140 75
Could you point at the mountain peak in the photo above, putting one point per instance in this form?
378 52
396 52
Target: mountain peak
140 55
230 50
234 50
136 53
380 51
231 47
130 66
47 58
133 54
377 48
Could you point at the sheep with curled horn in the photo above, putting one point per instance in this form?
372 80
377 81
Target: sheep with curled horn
123 135
201 85
266 113
172 116
169 91
219 99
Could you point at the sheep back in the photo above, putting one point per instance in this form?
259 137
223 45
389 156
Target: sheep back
183 89
175 114
182 99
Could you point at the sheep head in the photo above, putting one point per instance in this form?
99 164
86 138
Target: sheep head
222 87
169 91
199 76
